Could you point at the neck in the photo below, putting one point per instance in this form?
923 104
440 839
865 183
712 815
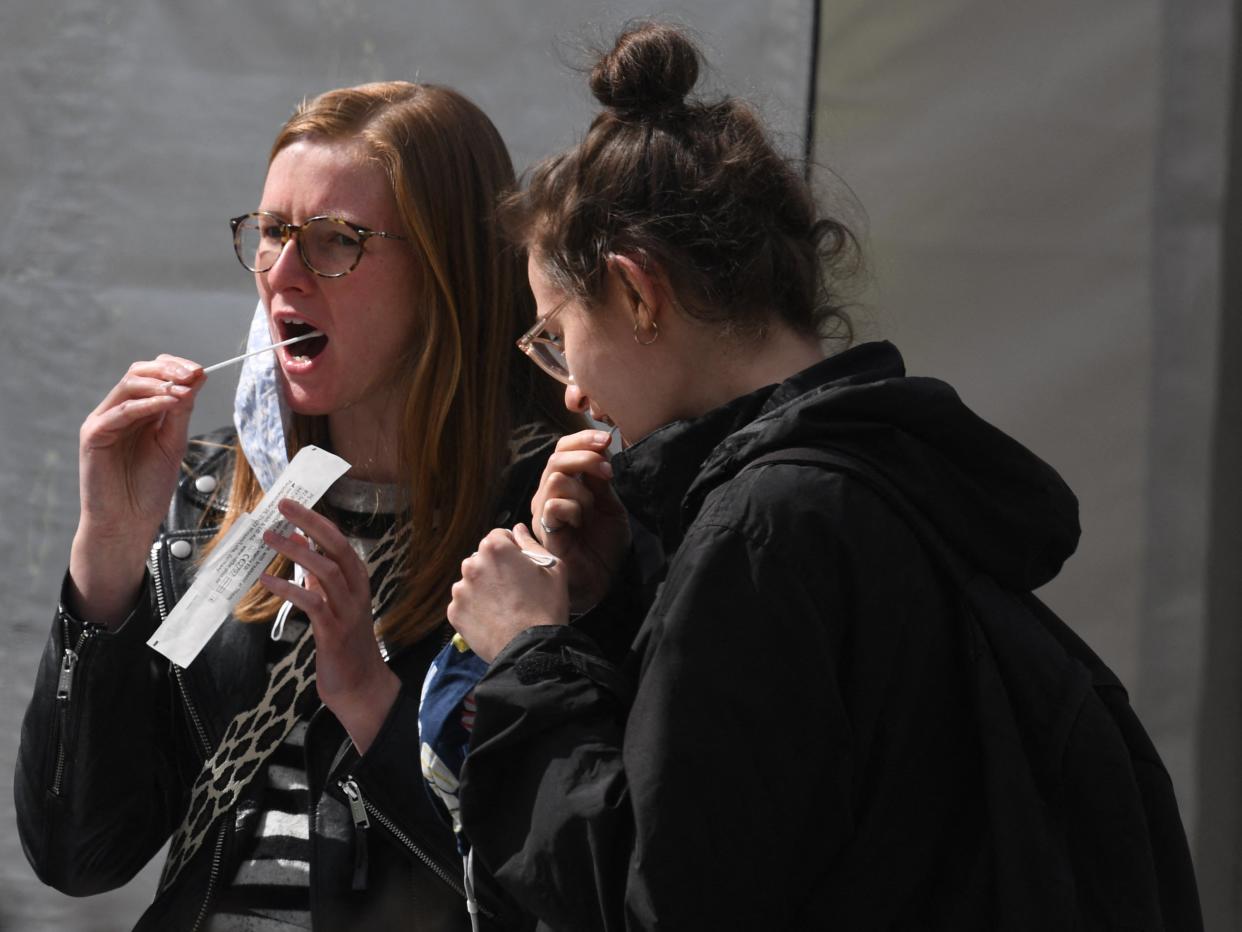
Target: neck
746 367
367 440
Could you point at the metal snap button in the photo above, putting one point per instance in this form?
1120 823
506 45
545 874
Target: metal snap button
180 549
205 484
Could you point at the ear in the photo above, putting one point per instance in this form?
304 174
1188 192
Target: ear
643 282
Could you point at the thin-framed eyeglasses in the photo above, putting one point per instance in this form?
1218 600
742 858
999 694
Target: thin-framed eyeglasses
329 246
547 351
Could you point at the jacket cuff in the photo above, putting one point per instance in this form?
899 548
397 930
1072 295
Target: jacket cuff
137 625
390 773
557 652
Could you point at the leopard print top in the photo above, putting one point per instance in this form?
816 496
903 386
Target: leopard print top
253 734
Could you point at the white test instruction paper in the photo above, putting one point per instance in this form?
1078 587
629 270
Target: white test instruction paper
240 557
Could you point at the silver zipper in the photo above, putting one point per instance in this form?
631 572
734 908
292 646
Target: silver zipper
64 692
64 683
361 824
357 808
154 564
162 605
350 788
178 675
60 761
216 857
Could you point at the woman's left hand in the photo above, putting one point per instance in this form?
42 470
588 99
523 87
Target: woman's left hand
350 674
502 592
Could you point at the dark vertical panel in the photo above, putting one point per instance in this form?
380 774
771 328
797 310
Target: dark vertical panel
812 91
1189 645
1220 782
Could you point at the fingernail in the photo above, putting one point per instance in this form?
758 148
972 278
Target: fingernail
181 390
605 469
602 436
182 372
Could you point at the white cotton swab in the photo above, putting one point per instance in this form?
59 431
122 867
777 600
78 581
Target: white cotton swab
229 362
540 559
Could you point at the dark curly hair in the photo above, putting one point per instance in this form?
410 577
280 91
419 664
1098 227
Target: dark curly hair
696 186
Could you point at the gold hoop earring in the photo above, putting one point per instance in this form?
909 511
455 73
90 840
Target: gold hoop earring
655 334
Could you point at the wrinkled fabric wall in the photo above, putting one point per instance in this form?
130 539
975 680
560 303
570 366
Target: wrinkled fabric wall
130 131
1045 187
1005 158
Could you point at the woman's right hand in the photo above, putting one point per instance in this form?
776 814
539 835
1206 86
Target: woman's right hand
129 454
588 525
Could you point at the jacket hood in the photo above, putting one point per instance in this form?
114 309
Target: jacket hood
1000 506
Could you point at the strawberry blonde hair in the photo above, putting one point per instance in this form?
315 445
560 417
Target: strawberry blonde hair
464 388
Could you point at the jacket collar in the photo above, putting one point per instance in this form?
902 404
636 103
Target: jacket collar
654 475
207 470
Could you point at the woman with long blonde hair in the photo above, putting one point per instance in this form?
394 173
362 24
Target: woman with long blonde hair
284 768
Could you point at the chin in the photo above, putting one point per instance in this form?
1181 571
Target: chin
310 410
300 402
311 406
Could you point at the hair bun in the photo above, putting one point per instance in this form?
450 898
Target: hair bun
651 68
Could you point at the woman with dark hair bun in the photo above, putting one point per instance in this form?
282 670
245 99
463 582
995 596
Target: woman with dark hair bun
839 707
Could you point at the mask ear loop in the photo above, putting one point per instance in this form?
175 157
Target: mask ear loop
472 902
278 626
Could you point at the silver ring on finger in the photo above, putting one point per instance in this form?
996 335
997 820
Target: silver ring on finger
547 530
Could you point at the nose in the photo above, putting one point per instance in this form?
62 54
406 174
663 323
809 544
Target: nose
288 271
575 399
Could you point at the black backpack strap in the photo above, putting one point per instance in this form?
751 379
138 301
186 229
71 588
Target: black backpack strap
837 460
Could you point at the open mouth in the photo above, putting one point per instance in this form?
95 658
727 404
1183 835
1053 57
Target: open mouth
307 349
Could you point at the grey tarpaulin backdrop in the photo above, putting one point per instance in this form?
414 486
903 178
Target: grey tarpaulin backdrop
130 131
1044 184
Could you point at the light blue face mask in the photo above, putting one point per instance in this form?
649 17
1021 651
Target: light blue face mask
262 419
259 410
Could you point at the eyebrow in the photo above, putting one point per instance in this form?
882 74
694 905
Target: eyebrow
345 215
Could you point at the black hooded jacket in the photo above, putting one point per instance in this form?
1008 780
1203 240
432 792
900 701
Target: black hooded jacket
794 734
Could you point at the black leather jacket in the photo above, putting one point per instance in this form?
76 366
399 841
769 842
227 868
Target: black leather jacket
115 735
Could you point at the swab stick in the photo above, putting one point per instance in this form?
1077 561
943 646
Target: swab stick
265 349
540 559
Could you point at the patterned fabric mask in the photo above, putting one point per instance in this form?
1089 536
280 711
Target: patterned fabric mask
259 410
445 719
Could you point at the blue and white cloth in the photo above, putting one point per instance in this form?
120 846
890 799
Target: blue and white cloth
445 720
259 411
